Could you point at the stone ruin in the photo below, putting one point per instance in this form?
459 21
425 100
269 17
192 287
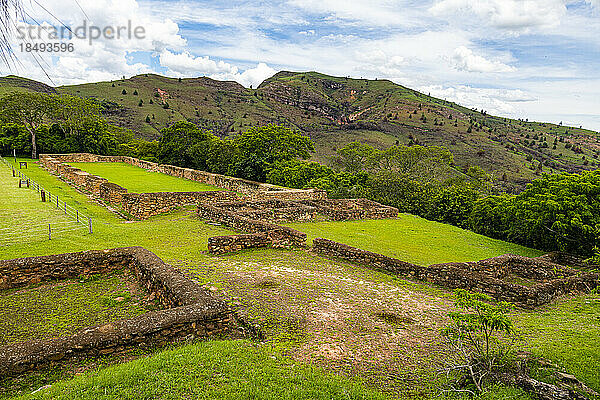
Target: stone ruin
145 205
527 282
260 219
188 309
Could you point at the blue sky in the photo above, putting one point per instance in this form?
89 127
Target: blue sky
536 59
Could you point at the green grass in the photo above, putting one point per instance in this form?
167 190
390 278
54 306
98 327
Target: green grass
23 216
568 333
139 180
413 239
211 370
178 237
53 310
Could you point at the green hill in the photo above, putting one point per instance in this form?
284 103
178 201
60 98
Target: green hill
336 110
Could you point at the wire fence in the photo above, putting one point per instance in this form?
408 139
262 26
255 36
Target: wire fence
22 226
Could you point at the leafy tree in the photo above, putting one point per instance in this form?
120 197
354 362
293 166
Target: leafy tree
558 212
490 215
185 145
295 173
355 157
28 109
453 204
342 184
260 147
426 163
480 337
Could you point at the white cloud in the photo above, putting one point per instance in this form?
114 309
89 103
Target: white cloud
103 58
185 64
465 60
495 101
512 15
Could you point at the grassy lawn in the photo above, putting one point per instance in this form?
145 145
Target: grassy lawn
567 332
413 239
23 216
139 180
61 308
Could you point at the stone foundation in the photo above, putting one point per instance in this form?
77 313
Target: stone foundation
352 209
191 310
249 189
490 276
279 236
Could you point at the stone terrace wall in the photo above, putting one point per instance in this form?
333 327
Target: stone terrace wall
228 244
135 205
352 209
272 210
483 276
146 205
253 190
280 236
195 313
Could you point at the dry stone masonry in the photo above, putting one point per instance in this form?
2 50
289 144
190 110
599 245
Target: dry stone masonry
259 218
145 205
540 280
191 311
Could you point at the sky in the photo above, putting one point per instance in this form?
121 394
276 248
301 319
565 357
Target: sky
535 59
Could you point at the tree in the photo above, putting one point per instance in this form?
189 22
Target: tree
355 156
184 144
73 112
28 109
480 337
260 147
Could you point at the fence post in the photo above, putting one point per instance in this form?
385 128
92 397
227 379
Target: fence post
49 232
90 224
43 194
65 206
56 201
77 211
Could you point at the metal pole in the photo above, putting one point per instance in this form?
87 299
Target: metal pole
90 224
77 211
49 232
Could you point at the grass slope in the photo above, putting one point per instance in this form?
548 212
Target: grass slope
413 239
568 333
214 370
24 219
139 180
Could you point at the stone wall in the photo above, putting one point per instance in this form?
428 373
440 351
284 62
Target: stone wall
192 311
272 210
352 209
145 205
486 276
134 205
250 189
280 236
233 243
111 193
